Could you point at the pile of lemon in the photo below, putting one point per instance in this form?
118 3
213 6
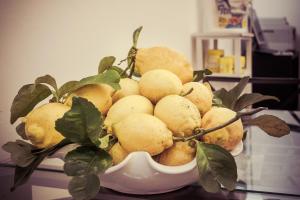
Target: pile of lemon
146 114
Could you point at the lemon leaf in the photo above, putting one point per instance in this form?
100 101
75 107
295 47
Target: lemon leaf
106 63
229 98
47 79
23 173
136 35
216 166
84 187
120 71
26 99
82 123
199 75
66 88
110 77
20 152
270 124
85 160
250 99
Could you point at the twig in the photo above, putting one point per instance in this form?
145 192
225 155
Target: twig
198 132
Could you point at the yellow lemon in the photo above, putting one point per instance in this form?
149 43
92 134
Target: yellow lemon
99 95
40 124
227 137
156 84
179 113
201 96
126 106
163 58
118 153
179 154
128 87
143 132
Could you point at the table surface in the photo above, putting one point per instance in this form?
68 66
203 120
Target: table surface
268 168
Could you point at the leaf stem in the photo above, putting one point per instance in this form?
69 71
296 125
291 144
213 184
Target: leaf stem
198 132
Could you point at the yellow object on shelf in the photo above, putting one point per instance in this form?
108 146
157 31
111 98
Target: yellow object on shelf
227 65
213 59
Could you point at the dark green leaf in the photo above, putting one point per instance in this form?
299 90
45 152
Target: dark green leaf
20 152
81 124
22 174
21 131
230 97
105 141
215 166
85 160
252 98
199 75
84 187
136 35
67 88
106 63
238 89
47 79
217 102
272 125
27 98
225 97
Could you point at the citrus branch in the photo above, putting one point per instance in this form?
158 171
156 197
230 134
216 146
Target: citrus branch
198 132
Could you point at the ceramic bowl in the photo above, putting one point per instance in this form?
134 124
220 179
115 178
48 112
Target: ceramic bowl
140 174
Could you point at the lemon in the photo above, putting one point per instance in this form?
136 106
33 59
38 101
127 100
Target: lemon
128 87
40 124
158 83
227 137
201 96
117 153
143 132
99 95
126 106
179 154
163 58
179 113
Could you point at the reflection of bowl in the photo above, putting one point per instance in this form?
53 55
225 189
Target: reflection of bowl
140 174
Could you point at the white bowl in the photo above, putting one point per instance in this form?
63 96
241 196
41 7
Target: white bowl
138 173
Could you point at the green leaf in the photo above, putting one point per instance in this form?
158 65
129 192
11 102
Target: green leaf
230 97
250 99
85 160
272 125
22 174
84 187
20 129
217 102
215 166
105 141
199 75
67 88
106 63
110 77
27 98
120 71
20 152
47 79
136 35
82 123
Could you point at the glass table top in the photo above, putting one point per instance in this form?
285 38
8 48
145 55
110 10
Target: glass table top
268 168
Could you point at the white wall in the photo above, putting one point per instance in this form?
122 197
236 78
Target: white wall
67 38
